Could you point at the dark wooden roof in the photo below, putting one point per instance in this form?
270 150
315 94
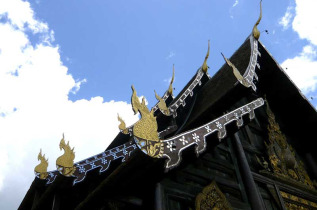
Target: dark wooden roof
286 100
210 100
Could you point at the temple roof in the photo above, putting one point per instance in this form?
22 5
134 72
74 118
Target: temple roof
249 74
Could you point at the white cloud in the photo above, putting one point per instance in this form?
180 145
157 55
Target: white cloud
305 20
235 3
34 105
233 6
286 19
303 69
21 14
170 55
77 85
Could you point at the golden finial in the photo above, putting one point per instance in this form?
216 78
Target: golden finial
146 127
255 31
236 72
170 88
122 125
41 168
65 163
205 67
145 130
162 105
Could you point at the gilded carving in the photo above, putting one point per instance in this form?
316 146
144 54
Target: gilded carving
41 169
170 88
295 202
255 31
236 72
151 148
263 163
211 198
282 156
146 127
292 206
205 67
162 105
65 163
145 130
122 126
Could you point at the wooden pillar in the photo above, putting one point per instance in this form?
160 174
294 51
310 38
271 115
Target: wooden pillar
56 202
250 186
311 164
159 203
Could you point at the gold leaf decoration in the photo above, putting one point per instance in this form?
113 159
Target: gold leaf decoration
205 67
263 163
236 72
256 33
162 105
282 155
65 163
146 127
170 88
145 130
122 125
295 202
211 198
41 169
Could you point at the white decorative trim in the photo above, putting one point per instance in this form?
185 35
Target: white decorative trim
101 160
249 74
198 135
189 91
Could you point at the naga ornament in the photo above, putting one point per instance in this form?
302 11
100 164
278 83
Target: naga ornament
168 93
205 67
172 147
236 72
170 88
122 126
41 169
255 32
65 163
145 130
162 105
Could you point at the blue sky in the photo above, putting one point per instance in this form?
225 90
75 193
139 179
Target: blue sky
67 66
123 42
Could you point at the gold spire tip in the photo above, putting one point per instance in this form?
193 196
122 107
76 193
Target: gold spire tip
170 88
255 31
205 67
157 96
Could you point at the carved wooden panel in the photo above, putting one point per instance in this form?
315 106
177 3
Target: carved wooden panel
211 198
295 202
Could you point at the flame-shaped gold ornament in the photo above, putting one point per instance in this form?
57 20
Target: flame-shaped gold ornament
65 163
41 169
205 67
145 130
122 126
